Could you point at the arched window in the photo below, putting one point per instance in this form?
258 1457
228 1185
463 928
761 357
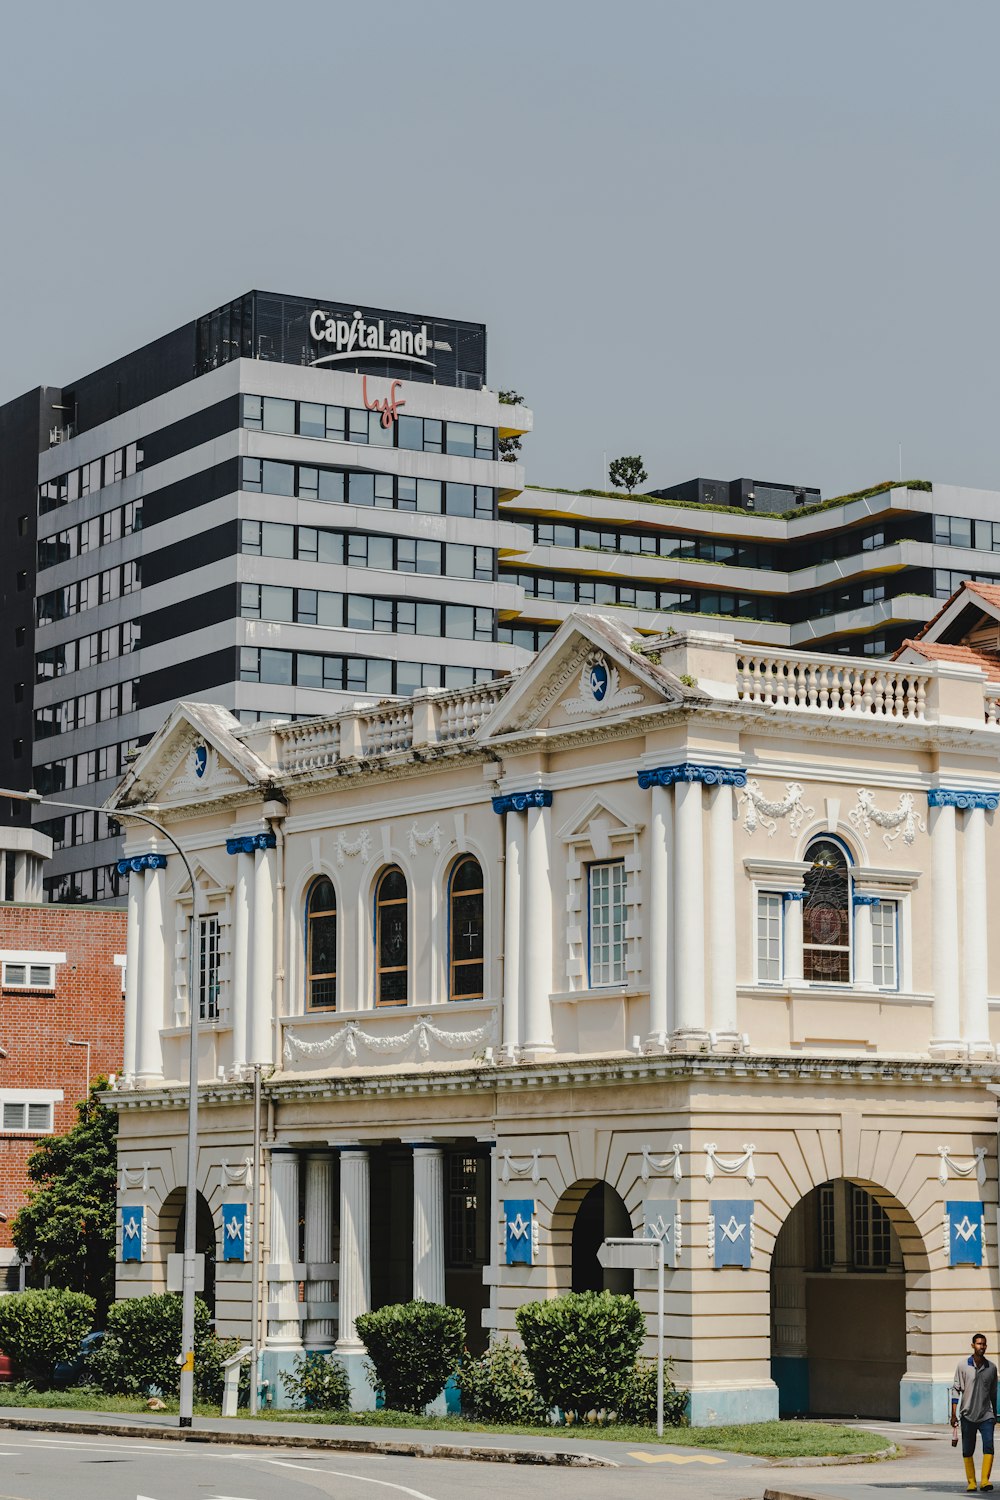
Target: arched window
465 980
321 946
826 916
391 938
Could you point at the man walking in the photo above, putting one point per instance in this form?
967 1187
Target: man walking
974 1399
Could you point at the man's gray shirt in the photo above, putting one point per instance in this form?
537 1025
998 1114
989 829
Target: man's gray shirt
976 1390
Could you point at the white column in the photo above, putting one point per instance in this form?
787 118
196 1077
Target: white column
538 933
975 1010
284 1330
240 995
319 1245
721 907
355 1263
792 921
132 951
512 989
260 1042
20 878
945 1026
864 958
657 924
149 1051
689 910
428 1224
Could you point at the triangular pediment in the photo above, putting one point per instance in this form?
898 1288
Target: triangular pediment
194 759
590 673
597 822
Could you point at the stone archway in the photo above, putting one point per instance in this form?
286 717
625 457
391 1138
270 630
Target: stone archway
840 1270
171 1227
587 1213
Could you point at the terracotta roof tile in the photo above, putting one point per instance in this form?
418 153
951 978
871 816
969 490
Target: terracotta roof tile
937 651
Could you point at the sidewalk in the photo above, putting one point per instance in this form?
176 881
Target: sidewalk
584 1452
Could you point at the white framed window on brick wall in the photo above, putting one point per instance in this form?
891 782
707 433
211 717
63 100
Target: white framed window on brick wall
21 970
28 1111
608 884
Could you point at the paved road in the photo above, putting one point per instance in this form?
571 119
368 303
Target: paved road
71 1466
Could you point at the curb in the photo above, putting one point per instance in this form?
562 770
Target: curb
834 1460
400 1447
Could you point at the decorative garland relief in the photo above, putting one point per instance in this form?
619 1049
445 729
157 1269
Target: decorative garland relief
348 1037
760 811
903 820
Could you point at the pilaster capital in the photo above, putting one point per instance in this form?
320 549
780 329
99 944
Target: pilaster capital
690 771
866 900
940 796
521 801
139 862
246 843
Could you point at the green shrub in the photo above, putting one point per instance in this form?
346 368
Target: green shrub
415 1347
40 1328
497 1387
142 1343
638 1402
318 1382
582 1349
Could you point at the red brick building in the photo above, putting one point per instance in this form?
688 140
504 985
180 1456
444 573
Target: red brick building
62 971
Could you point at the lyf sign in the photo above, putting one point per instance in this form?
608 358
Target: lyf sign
389 406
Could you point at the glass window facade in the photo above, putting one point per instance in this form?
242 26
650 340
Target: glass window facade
607 923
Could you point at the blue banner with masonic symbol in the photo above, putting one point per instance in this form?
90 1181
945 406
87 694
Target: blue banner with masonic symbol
730 1230
132 1233
965 1234
234 1227
519 1218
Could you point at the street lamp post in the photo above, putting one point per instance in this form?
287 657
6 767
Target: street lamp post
191 1192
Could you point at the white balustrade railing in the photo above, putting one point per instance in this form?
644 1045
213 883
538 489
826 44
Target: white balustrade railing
460 714
992 705
309 744
387 728
830 684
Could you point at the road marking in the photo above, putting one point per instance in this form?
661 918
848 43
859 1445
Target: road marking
403 1489
677 1458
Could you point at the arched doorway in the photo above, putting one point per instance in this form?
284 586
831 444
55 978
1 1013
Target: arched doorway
172 1218
838 1304
593 1212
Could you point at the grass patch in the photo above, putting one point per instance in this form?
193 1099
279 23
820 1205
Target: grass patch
757 1439
84 1399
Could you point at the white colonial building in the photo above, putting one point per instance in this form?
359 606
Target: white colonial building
668 936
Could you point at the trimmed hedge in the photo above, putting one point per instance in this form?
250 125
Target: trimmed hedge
497 1387
39 1329
142 1343
415 1347
582 1349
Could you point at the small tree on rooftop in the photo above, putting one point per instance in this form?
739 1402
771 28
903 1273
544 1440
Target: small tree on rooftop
628 471
510 447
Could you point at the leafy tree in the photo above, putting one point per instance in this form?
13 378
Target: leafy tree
67 1225
510 447
628 471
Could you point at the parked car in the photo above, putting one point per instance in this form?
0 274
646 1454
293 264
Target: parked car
69 1371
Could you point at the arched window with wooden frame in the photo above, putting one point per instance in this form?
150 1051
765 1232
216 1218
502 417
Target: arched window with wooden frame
392 947
465 931
321 946
826 914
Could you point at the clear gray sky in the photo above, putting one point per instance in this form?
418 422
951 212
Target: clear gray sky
741 237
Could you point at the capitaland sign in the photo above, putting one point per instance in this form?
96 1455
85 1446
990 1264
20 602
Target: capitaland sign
355 338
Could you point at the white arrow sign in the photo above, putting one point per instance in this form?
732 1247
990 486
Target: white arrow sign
630 1255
